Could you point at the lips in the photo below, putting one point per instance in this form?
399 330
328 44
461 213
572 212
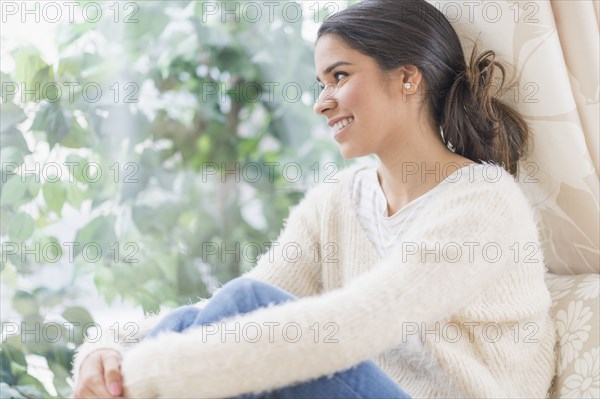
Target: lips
342 123
339 135
333 121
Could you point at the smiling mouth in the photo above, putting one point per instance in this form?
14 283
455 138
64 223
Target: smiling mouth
342 124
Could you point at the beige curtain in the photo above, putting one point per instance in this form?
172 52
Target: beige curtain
552 51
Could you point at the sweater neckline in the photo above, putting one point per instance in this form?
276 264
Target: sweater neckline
348 204
371 169
421 197
353 170
381 198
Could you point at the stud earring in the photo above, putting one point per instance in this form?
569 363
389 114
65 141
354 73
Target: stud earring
407 85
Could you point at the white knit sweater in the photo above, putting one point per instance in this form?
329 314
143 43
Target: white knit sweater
370 205
470 267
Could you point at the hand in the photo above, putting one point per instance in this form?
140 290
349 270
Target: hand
100 376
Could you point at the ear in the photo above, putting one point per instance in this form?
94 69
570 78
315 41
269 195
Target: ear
406 74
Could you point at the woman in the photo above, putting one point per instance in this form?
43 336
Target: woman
421 277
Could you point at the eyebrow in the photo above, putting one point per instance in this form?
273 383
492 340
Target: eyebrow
332 67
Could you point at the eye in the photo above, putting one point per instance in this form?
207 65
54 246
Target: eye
335 75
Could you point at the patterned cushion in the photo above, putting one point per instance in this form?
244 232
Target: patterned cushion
576 309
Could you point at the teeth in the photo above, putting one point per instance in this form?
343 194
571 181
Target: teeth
342 123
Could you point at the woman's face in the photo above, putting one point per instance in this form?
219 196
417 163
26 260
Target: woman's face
362 104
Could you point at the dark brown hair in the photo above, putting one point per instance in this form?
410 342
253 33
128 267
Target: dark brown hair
474 123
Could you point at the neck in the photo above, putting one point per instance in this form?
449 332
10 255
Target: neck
412 169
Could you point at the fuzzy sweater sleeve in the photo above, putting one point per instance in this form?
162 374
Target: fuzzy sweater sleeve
299 275
119 340
366 316
293 262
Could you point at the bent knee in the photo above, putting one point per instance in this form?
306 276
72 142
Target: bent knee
244 284
184 312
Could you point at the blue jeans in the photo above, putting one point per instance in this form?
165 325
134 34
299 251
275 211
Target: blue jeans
241 295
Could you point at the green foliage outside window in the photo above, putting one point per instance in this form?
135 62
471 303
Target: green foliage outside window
141 166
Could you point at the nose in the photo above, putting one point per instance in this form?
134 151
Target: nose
326 100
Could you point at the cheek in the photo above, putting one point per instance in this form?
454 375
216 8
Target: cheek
349 97
357 94
369 107
372 109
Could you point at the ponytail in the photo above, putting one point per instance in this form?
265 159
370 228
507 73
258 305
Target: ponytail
478 125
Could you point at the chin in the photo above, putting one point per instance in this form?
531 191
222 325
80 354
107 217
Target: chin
351 153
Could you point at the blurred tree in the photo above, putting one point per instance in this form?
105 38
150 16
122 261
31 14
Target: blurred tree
170 134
